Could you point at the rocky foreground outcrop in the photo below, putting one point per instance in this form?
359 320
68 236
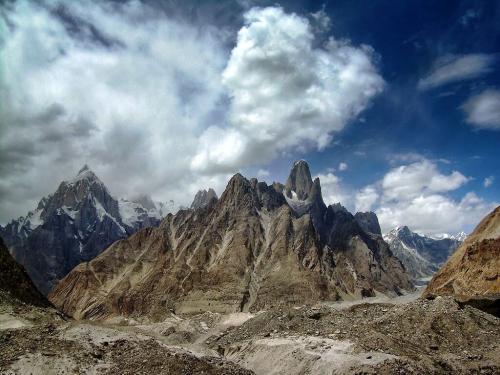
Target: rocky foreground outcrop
473 271
257 247
15 282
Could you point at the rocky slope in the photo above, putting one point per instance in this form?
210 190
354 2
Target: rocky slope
15 282
422 256
71 226
473 271
252 249
419 337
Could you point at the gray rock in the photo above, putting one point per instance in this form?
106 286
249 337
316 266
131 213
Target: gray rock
71 226
203 198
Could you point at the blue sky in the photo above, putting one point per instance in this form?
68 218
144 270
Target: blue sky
166 97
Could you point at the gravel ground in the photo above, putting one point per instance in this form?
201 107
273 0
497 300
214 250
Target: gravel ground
417 337
439 336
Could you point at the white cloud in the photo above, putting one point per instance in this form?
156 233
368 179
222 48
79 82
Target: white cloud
366 198
449 69
483 110
423 177
123 87
322 22
488 181
342 166
434 214
417 195
286 94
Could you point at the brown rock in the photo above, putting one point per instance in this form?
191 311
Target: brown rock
472 272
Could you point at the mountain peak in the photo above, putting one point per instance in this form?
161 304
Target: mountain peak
299 181
403 229
368 222
84 169
203 198
85 174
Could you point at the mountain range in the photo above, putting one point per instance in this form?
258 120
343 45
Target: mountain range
256 247
73 225
422 256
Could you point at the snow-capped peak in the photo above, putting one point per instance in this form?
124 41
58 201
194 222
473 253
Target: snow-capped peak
460 236
84 169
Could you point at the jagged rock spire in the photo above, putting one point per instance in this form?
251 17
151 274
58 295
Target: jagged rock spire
299 181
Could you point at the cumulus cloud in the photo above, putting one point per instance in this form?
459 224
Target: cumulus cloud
285 93
410 181
449 69
488 181
417 195
342 166
120 86
483 110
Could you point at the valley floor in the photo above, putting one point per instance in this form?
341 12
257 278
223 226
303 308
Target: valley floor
405 335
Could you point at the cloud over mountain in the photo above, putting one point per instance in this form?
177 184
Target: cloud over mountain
123 87
417 195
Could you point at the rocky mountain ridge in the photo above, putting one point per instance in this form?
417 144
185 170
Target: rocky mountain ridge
73 225
256 247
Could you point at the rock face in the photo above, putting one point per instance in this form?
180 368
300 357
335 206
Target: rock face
15 282
203 198
249 250
422 256
369 222
473 271
299 183
71 226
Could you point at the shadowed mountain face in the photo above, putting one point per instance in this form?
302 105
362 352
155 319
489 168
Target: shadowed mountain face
473 271
15 282
252 249
369 222
71 226
422 256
